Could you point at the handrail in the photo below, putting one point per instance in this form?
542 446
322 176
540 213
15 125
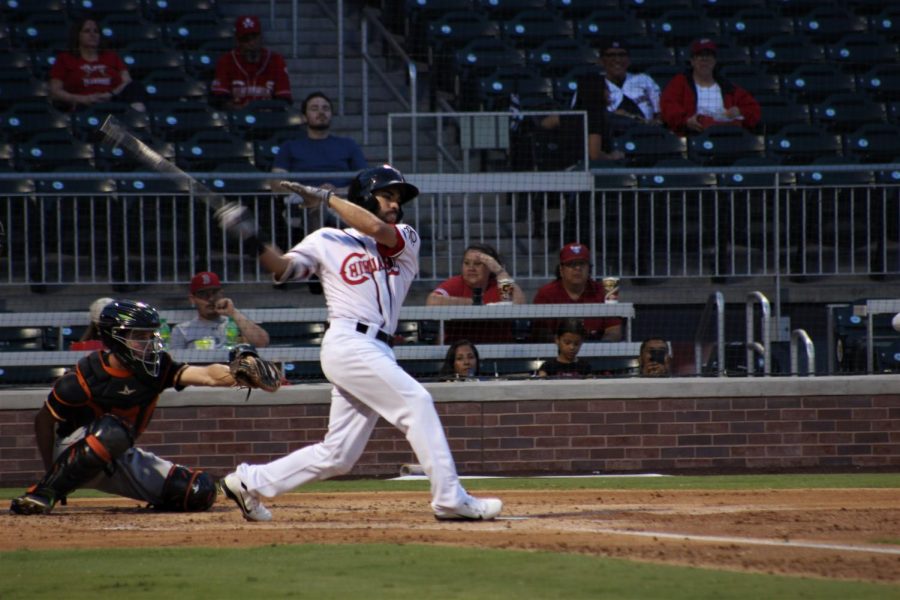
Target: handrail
765 323
797 336
717 300
876 307
369 15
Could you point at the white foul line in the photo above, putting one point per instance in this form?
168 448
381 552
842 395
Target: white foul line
756 541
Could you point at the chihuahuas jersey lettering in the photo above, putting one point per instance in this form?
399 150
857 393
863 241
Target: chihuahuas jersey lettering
362 280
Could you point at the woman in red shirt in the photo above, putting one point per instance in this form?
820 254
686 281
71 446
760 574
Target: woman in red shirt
85 75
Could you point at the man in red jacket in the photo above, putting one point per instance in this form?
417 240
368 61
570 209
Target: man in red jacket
700 97
250 71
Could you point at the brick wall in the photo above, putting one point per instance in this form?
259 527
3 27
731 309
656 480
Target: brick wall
512 429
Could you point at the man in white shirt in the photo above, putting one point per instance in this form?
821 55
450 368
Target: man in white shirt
633 95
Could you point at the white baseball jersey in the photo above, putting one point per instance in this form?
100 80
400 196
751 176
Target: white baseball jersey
642 90
362 280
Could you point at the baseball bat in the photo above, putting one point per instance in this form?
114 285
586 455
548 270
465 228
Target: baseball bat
117 135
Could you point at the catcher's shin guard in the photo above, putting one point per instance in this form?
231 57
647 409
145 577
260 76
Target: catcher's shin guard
187 491
107 439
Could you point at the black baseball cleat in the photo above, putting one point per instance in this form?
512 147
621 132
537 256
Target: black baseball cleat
31 504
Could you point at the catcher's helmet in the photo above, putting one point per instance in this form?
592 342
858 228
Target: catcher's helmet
368 181
130 330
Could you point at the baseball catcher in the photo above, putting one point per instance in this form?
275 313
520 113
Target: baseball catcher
88 426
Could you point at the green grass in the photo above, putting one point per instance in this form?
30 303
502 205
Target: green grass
393 572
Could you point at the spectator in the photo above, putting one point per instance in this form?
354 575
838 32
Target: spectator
250 71
570 336
655 359
573 285
461 362
218 323
483 280
700 97
90 339
318 150
85 74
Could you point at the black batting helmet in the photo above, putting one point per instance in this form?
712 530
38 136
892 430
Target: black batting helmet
130 330
368 181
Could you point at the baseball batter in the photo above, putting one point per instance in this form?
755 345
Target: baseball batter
87 427
366 271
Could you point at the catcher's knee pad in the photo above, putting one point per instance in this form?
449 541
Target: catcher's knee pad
187 491
113 435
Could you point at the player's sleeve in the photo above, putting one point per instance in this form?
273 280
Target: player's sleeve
398 247
170 372
304 259
69 397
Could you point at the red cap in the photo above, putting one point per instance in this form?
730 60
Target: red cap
703 44
574 251
205 280
247 24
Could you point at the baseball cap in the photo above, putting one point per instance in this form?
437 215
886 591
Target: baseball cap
205 280
97 307
702 45
613 44
247 24
574 251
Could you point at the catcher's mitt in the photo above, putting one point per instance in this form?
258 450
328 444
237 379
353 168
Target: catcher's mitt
251 371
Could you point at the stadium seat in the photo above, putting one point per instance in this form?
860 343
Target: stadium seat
846 112
7 157
114 158
20 11
29 375
533 92
14 61
752 78
566 85
511 368
245 187
795 8
677 180
802 143
815 82
200 64
503 9
22 89
306 371
415 15
176 121
449 33
646 145
615 366
42 30
779 111
651 9
162 86
42 60
531 28
680 27
193 30
647 52
86 122
724 144
577 10
786 52
119 30
555 57
205 150
264 118
606 23
19 187
168 11
26 119
723 9
103 7
881 82
873 143
481 57
857 52
835 178
265 151
750 179
50 150
754 26
287 334
826 24
887 23
142 61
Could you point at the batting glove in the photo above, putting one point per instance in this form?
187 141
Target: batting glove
237 220
312 196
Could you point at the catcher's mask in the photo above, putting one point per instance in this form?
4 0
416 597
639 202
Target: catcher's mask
368 181
130 330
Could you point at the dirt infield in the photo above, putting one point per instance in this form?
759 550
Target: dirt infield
822 533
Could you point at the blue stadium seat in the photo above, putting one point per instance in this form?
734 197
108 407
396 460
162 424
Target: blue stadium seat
530 28
835 178
724 9
648 51
814 82
887 22
18 87
20 11
555 57
448 34
142 61
177 121
881 82
493 91
846 112
103 7
26 119
606 23
756 25
857 52
827 24
86 122
51 150
752 78
873 143
749 179
205 150
577 10
680 27
167 11
502 9
645 145
120 29
784 53
114 158
193 30
802 143
651 9
49 30
677 180
779 110
162 86
264 118
483 56
724 144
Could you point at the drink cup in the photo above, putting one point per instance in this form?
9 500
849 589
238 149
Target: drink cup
611 290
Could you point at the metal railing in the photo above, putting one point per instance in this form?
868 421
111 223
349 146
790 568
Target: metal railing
712 318
799 336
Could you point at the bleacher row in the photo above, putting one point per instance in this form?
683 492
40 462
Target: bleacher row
826 74
170 48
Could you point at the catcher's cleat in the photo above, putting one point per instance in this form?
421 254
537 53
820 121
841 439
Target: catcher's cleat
31 504
473 509
247 501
